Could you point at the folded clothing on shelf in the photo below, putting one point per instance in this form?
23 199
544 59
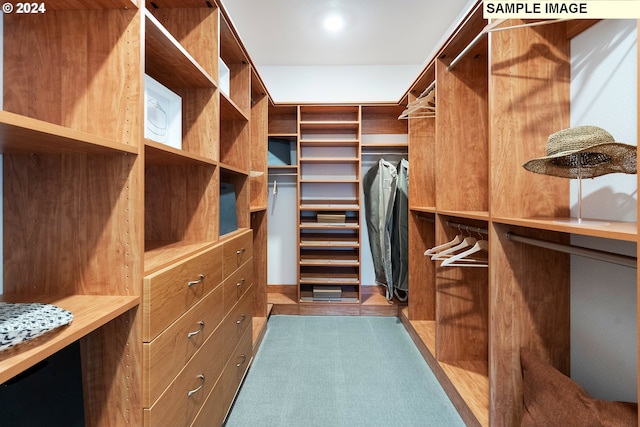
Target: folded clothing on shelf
21 322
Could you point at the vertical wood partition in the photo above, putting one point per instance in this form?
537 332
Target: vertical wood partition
529 99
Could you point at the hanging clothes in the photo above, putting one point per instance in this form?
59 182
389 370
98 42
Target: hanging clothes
379 188
399 236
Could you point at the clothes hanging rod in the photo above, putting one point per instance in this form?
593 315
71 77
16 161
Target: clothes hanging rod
624 260
283 174
468 228
491 28
428 89
426 218
474 42
382 153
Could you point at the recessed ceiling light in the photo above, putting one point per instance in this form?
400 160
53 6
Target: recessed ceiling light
334 23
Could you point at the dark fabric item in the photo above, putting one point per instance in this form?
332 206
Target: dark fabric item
379 188
551 399
399 234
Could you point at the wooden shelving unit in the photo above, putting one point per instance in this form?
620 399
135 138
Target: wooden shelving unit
470 324
93 212
329 186
72 192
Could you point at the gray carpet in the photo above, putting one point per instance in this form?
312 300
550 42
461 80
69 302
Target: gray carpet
333 371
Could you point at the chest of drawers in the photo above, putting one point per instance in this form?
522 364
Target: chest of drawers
198 330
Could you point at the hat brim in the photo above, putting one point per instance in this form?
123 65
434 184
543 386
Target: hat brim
622 158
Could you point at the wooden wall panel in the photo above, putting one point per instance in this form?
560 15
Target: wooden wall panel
100 60
530 300
422 295
200 127
196 29
283 120
529 100
422 140
462 305
259 138
70 225
462 134
181 203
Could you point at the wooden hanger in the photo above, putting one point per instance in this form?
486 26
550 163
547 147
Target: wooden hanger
436 249
463 259
467 242
423 106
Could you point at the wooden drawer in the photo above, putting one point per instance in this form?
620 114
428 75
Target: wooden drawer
236 285
214 410
184 397
236 368
170 292
237 251
166 355
219 401
239 319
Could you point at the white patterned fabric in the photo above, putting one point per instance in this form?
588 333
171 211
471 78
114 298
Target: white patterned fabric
20 322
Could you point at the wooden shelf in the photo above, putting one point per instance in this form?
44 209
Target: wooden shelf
90 312
159 254
618 230
478 215
333 205
230 111
328 142
278 167
163 53
329 160
161 154
254 209
232 169
25 135
431 209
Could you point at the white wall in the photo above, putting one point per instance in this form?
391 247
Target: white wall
603 296
282 242
338 84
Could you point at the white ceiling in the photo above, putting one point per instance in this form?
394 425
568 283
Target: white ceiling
288 33
377 32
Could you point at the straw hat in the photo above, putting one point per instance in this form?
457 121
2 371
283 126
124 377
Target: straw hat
590 147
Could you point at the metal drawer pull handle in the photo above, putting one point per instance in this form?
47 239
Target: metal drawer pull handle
191 334
241 282
241 251
244 359
195 282
197 389
242 319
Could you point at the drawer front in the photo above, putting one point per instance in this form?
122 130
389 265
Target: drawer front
236 285
236 368
237 251
239 320
180 403
214 410
166 355
172 291
219 401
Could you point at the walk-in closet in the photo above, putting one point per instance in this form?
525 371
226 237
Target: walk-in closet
179 212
